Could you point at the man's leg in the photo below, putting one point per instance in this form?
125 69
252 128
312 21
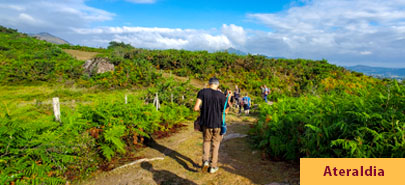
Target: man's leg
216 140
207 137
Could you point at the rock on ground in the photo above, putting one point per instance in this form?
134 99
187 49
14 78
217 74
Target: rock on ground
98 65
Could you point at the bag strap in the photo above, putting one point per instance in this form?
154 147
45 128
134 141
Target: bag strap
223 119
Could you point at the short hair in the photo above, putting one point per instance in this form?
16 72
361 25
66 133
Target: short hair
214 81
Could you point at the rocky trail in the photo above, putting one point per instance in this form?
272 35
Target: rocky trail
177 160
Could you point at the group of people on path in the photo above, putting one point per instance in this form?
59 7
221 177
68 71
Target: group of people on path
237 101
213 106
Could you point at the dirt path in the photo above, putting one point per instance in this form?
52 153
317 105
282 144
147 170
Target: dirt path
176 160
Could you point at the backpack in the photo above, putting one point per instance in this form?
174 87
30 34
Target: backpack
266 91
223 126
245 101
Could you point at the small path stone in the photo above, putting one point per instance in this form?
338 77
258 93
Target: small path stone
233 135
139 161
276 183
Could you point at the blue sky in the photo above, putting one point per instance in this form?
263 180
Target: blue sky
188 14
345 32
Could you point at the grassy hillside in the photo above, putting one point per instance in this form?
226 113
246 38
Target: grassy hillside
320 110
81 55
285 77
96 127
26 59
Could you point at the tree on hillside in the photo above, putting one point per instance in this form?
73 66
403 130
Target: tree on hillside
114 44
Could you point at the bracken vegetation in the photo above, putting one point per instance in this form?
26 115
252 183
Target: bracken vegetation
364 123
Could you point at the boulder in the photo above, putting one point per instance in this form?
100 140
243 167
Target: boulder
97 65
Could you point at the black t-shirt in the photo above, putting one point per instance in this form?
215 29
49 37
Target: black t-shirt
237 93
232 99
212 107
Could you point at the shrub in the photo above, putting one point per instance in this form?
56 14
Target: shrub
369 124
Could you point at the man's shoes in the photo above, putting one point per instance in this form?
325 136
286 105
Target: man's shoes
205 166
213 170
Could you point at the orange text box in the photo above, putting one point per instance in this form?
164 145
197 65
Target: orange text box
352 171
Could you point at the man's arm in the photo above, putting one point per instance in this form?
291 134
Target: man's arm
197 105
229 102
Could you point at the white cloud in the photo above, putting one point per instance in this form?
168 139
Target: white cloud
343 31
49 15
13 7
142 1
235 33
26 18
161 38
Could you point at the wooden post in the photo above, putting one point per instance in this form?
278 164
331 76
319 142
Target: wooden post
126 99
56 108
182 97
171 97
156 102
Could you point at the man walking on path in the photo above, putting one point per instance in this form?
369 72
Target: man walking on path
236 95
212 104
246 103
262 88
266 93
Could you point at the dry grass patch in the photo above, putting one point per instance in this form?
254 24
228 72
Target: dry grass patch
81 55
196 83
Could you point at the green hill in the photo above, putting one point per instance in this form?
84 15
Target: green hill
319 110
26 59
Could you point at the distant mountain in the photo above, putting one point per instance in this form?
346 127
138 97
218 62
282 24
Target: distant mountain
239 52
276 57
234 51
49 38
395 73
